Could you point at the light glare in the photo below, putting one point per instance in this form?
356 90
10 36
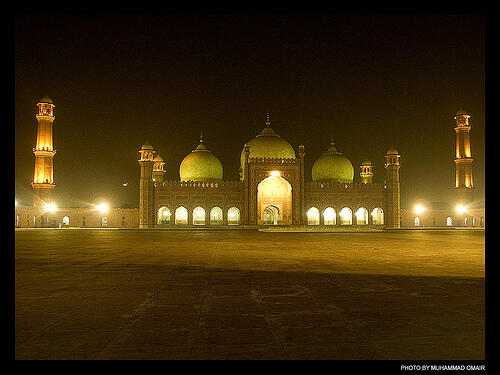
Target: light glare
51 207
103 207
419 209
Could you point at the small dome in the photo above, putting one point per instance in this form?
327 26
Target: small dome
158 158
268 144
332 166
147 146
366 162
200 165
462 112
392 151
46 99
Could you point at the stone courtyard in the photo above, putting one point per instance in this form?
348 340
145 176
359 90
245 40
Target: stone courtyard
244 294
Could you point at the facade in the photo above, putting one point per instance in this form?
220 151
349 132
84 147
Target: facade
432 218
271 191
73 217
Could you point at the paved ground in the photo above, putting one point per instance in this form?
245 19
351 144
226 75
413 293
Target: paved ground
127 294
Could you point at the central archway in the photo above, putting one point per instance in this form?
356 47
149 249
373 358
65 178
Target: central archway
274 201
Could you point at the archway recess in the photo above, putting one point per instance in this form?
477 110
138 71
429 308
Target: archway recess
274 191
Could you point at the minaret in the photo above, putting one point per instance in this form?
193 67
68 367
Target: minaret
392 190
146 188
43 179
464 185
366 172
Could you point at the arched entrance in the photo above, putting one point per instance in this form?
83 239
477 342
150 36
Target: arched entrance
271 215
274 201
65 221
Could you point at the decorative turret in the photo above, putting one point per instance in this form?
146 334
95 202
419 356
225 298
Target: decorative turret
147 152
158 169
464 185
43 179
366 172
392 190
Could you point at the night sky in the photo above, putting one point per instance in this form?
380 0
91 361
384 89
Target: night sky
367 81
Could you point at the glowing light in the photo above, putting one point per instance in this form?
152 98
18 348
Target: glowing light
329 216
345 213
346 216
275 173
419 209
460 209
103 207
16 203
51 207
313 216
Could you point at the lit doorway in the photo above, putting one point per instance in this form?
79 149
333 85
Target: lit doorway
274 201
271 215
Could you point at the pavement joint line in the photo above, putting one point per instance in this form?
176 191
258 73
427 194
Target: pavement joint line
212 261
270 323
135 314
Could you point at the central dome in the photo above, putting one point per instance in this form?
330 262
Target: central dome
268 144
332 166
201 165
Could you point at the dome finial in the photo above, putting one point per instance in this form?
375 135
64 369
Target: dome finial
268 122
201 136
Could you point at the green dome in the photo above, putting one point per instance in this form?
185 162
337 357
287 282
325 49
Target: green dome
201 165
332 166
268 144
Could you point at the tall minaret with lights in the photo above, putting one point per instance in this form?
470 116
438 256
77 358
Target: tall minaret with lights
464 185
146 187
392 189
43 179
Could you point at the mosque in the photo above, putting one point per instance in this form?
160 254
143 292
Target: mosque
271 190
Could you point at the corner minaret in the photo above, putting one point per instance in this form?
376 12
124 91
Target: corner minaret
146 188
392 190
464 185
43 179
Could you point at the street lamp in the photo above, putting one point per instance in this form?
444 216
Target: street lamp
50 207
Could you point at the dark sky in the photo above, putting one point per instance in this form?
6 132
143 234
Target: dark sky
368 81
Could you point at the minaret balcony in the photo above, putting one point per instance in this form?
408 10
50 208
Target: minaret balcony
45 117
43 185
464 160
44 152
